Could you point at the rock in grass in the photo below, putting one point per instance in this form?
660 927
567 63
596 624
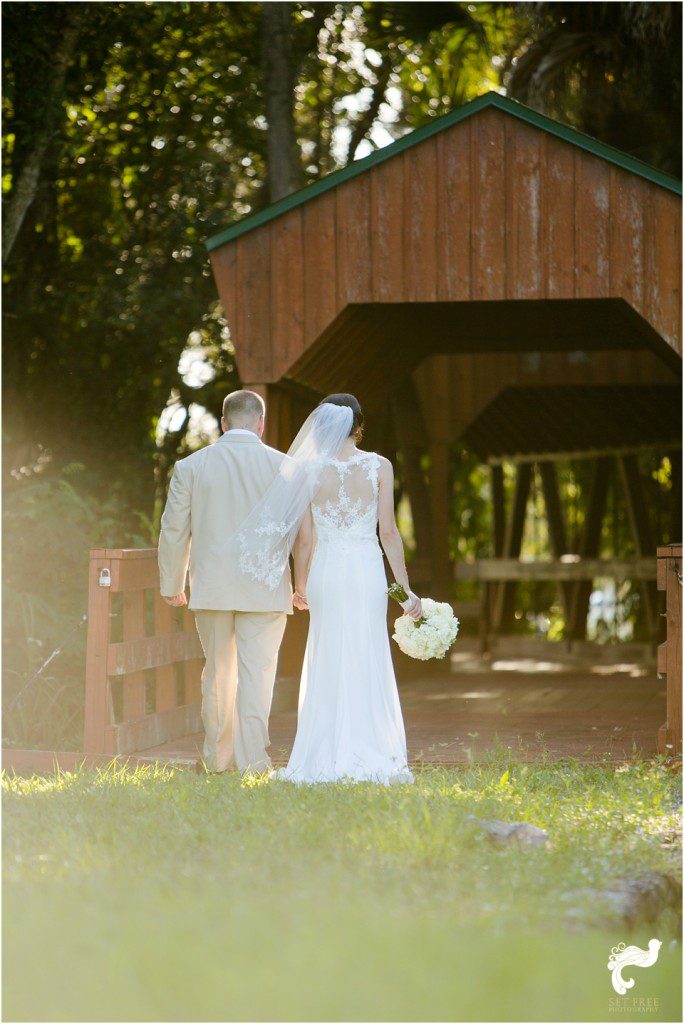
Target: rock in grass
502 833
629 901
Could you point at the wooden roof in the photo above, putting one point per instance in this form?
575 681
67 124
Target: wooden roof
440 124
522 422
491 230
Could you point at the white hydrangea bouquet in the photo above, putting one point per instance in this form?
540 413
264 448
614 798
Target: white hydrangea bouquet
429 637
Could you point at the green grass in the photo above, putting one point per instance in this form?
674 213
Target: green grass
161 895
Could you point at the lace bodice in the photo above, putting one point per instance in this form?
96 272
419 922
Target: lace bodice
346 503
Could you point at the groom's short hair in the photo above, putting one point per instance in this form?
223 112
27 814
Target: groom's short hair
242 406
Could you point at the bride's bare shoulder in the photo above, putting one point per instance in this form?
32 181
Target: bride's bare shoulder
381 460
385 467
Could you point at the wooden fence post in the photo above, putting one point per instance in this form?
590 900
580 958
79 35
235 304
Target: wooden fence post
96 717
556 524
134 629
165 683
590 544
488 589
440 479
640 526
515 526
412 441
670 652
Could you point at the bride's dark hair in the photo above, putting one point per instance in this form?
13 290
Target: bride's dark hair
352 403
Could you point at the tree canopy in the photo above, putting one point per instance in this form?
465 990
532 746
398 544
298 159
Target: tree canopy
133 131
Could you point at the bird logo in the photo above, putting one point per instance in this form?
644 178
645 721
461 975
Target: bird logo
622 956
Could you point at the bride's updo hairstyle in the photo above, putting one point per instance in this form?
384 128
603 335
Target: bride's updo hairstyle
352 403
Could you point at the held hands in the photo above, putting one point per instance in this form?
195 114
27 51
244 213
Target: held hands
177 601
299 599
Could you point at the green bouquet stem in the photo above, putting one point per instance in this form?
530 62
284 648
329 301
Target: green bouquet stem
397 592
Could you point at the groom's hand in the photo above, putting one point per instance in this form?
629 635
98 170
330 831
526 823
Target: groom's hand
177 601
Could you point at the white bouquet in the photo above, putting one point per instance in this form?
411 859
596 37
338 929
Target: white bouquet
429 637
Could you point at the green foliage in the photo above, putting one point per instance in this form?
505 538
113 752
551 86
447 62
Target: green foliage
328 903
50 524
459 59
158 138
613 70
110 275
471 523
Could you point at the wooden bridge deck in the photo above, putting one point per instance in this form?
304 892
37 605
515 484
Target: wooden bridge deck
592 712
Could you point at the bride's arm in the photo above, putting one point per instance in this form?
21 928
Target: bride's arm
301 555
390 538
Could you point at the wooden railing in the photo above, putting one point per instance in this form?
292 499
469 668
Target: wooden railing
572 567
670 652
568 571
144 658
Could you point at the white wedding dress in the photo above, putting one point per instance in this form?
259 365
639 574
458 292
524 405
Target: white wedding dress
350 725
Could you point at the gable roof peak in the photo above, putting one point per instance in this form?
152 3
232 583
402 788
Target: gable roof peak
491 98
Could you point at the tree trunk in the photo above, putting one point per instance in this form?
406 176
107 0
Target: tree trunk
412 441
26 182
279 80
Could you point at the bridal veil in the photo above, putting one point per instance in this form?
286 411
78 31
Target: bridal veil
266 537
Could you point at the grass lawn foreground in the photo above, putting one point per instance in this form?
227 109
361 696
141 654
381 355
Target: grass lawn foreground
157 894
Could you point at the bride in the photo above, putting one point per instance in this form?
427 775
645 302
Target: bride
332 498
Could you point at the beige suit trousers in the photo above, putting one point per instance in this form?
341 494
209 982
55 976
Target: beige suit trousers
241 650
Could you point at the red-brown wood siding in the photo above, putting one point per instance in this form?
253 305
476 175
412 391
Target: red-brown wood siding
490 209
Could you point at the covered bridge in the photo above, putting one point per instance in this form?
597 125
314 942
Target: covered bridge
494 278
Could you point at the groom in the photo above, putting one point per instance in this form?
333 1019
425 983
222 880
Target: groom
240 623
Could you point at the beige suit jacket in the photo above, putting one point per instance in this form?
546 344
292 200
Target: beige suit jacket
210 494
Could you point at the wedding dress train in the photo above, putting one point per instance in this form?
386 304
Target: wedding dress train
350 725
